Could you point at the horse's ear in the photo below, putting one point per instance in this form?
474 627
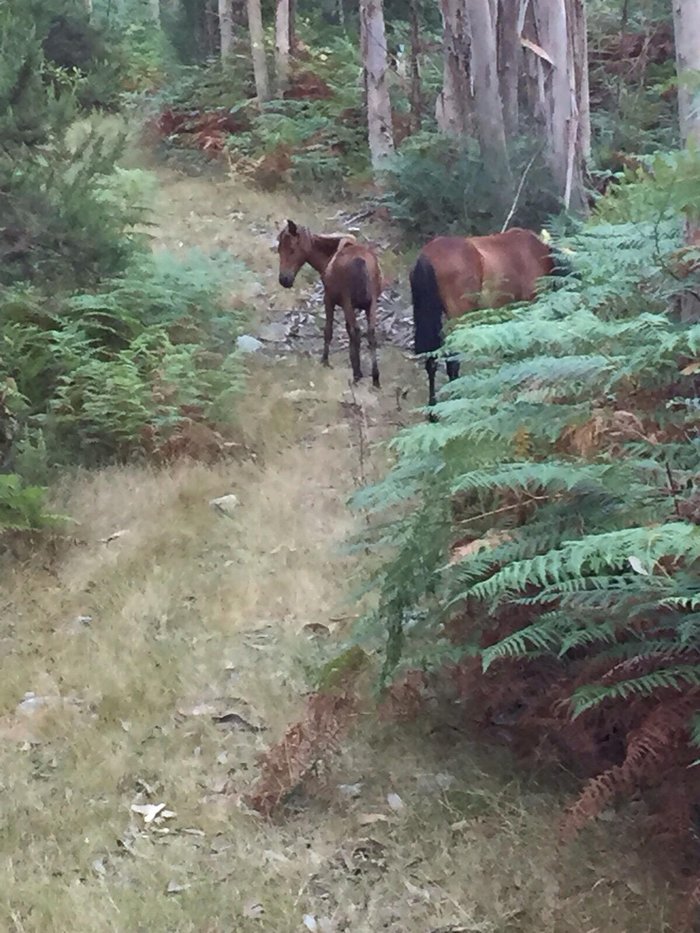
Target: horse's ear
292 227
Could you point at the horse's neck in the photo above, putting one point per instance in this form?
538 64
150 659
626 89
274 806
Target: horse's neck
324 249
320 254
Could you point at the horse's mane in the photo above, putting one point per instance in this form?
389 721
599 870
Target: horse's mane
331 243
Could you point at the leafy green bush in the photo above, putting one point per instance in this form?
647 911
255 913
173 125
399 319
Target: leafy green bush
22 507
437 184
547 526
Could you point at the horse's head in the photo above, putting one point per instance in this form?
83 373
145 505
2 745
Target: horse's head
293 252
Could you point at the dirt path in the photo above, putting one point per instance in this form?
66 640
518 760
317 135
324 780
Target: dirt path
174 645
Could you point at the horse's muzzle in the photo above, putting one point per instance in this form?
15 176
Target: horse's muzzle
286 279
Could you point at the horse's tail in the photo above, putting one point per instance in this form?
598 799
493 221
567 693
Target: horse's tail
360 286
428 307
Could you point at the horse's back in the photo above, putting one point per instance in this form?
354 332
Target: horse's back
512 264
354 273
487 271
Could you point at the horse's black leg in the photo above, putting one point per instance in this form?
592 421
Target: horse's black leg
431 366
354 337
372 340
452 366
328 330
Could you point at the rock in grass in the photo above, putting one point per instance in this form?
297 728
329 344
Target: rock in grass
248 344
227 505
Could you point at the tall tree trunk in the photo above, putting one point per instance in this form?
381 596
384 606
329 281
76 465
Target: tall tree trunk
225 29
211 28
293 27
686 22
579 44
509 63
154 8
564 100
453 108
416 93
487 99
88 8
282 45
257 46
374 57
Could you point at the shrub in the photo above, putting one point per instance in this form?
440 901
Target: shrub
437 184
56 227
544 534
94 371
22 507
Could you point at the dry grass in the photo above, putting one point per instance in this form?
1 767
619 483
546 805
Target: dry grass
192 612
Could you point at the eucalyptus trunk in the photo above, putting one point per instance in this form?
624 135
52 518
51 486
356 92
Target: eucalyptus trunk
257 46
375 60
416 93
509 63
488 107
686 21
562 98
282 44
453 107
225 29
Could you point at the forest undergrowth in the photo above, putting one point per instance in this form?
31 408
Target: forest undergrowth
153 658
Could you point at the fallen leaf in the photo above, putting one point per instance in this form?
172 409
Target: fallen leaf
351 790
226 505
691 368
636 565
317 628
237 721
415 891
152 811
368 819
310 922
490 540
199 709
175 888
271 856
114 536
253 909
395 802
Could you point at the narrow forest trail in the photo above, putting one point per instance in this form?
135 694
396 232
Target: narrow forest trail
170 614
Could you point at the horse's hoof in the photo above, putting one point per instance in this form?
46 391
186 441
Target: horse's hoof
432 417
325 362
375 382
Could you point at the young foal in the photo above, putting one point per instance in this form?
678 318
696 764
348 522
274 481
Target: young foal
351 278
454 275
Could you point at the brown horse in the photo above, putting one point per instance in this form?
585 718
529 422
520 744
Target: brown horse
351 278
454 275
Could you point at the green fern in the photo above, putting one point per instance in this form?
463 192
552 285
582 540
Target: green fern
592 553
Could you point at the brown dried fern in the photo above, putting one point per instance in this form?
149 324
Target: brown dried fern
286 765
647 749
